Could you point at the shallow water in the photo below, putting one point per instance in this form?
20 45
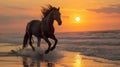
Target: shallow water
56 58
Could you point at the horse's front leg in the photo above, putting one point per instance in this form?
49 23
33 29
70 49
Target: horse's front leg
55 39
49 44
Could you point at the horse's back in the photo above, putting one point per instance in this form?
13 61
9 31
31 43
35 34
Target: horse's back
32 22
35 27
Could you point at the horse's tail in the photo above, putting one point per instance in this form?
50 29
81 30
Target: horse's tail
25 40
26 37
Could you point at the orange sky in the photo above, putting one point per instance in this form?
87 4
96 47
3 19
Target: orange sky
95 14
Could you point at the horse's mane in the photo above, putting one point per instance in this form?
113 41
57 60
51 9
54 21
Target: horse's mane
46 10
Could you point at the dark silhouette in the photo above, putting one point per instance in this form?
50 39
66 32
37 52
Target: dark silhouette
51 65
35 63
44 28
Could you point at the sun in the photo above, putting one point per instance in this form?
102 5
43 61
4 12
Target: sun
77 19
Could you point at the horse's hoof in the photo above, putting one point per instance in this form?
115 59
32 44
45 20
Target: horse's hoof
52 48
47 51
34 49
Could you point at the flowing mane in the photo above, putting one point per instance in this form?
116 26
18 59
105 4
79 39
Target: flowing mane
45 11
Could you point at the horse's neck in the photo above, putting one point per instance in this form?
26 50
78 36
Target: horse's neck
47 24
49 20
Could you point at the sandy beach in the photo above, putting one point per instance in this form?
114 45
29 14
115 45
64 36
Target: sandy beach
56 58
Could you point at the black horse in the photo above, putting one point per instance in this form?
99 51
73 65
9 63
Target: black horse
44 28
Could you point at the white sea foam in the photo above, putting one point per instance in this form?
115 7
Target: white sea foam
104 44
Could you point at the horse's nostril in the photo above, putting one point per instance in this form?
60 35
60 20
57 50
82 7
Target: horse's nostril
60 23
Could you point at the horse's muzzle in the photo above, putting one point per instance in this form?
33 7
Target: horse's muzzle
60 23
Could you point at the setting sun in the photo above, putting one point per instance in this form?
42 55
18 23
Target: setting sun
77 19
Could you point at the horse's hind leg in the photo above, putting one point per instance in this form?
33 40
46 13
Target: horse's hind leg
30 42
55 39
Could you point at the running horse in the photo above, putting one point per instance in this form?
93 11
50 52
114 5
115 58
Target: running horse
44 28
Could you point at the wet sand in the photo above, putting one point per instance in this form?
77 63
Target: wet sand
56 58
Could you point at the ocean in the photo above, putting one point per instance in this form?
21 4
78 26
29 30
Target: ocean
103 45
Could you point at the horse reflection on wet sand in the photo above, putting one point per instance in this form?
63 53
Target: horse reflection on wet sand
36 63
44 28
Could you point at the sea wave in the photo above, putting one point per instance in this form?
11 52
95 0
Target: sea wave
104 44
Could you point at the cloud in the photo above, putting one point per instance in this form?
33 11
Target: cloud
11 19
65 17
109 9
16 7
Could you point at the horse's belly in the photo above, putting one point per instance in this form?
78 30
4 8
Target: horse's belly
36 32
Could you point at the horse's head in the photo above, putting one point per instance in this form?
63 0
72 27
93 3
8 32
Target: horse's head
57 16
52 13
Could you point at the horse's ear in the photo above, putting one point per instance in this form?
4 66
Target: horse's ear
58 8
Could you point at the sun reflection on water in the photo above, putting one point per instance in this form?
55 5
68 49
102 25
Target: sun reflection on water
77 61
